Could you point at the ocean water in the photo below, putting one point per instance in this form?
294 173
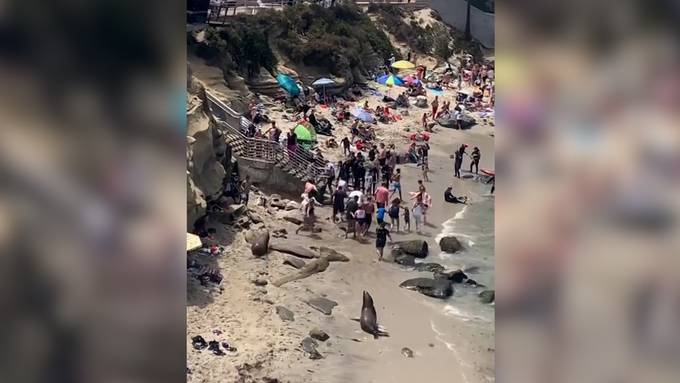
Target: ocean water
473 225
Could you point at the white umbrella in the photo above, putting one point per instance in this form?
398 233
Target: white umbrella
323 82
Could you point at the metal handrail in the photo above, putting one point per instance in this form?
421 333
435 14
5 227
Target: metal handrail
266 150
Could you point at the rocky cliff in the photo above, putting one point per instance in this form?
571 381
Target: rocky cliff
209 159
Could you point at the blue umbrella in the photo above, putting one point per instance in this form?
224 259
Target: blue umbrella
390 80
288 84
362 114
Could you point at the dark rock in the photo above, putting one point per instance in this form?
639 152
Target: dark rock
295 262
407 352
260 246
402 258
309 346
294 217
256 218
456 276
274 197
243 222
260 282
431 267
319 334
435 288
214 346
487 296
217 332
295 250
292 205
322 304
198 342
285 314
229 348
450 244
472 282
417 248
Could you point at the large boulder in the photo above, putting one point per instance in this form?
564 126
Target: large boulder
435 288
450 244
260 246
417 248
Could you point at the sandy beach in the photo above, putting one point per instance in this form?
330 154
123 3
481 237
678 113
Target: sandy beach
444 343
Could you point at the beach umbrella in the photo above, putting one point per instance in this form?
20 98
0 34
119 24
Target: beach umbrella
362 114
288 84
323 82
390 80
304 133
403 64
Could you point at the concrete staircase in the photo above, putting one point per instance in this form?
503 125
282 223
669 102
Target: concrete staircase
233 125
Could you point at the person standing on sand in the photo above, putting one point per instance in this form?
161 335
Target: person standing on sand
382 195
418 215
476 155
244 190
352 207
459 160
424 121
360 217
394 213
345 146
407 219
425 169
396 183
435 106
381 235
338 201
330 176
369 209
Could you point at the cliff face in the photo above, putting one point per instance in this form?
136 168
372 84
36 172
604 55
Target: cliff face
208 157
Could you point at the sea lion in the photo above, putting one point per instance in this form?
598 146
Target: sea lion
369 320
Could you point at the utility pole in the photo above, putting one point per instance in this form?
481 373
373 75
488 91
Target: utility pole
468 35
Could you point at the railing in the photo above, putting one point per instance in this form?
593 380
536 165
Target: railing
264 150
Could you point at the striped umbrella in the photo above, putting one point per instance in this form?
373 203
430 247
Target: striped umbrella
390 80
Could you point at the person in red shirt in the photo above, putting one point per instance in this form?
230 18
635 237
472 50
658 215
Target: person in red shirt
382 195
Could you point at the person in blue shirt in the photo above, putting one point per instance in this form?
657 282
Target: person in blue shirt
380 215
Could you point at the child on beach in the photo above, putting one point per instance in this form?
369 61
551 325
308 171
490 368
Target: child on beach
381 235
360 216
425 168
407 219
396 183
394 213
418 213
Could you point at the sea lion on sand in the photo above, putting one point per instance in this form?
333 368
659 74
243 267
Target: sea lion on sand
369 320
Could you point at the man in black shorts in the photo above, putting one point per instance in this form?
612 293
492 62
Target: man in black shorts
338 201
